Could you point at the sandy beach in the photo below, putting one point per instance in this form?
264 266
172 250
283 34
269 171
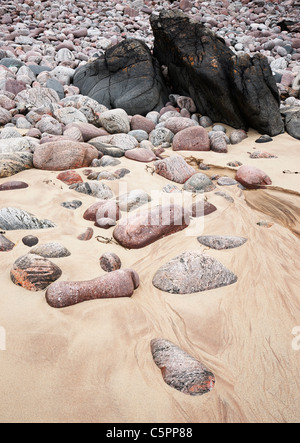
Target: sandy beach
92 362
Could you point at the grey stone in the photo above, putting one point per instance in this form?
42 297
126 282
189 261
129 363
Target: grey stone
199 183
14 219
192 272
221 242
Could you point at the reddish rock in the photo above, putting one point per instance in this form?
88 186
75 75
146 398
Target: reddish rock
174 168
34 273
192 139
143 123
88 131
91 212
140 155
109 210
180 370
252 177
120 283
202 208
86 235
5 244
143 228
177 124
10 186
69 177
64 154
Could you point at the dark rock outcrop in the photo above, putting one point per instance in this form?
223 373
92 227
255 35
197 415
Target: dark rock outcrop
236 90
125 77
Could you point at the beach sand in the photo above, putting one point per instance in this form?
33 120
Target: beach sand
92 362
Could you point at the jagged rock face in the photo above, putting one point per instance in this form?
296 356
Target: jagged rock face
239 91
126 77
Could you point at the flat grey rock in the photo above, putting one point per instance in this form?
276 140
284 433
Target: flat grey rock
192 272
221 242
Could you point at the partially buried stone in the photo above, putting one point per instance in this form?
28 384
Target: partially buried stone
142 228
140 155
221 242
10 186
11 164
5 244
226 181
13 219
73 205
34 273
251 177
116 284
51 250
199 183
192 272
133 200
180 370
95 189
109 262
264 139
30 240
69 177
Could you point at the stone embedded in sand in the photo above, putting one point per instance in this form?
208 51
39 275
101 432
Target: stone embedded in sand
110 262
133 200
120 283
72 205
64 154
11 164
199 183
69 177
180 370
51 250
10 186
95 189
192 272
30 240
5 244
174 168
252 177
86 235
142 228
34 273
221 241
192 139
140 155
201 208
13 219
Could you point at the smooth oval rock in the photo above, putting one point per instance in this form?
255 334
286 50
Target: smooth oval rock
51 250
11 186
192 272
199 182
142 228
120 283
252 177
180 370
221 241
30 240
109 262
34 273
140 155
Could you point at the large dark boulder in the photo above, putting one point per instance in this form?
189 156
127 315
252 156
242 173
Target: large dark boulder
237 90
126 76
